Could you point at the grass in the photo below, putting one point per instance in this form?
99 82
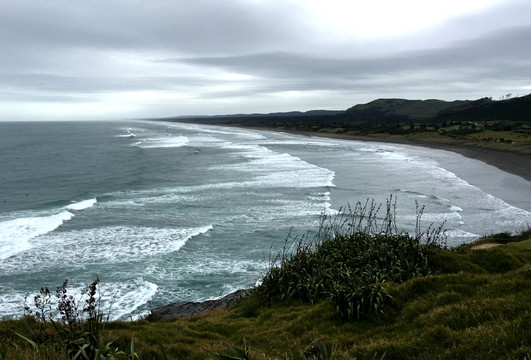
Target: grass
473 304
519 142
348 270
347 262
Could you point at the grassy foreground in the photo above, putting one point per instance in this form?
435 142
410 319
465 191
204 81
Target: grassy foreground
473 304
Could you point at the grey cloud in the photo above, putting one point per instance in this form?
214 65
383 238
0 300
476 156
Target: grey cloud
187 26
63 51
43 97
499 54
62 83
65 46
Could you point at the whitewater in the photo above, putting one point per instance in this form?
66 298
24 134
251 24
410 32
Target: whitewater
165 212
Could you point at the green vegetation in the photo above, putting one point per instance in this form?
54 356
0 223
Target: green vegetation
78 335
414 109
500 125
471 302
348 262
349 271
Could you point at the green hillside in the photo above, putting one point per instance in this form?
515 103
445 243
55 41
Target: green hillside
412 109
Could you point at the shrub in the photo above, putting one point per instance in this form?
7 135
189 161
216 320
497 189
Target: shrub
347 262
78 334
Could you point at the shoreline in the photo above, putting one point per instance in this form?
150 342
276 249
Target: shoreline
510 182
510 162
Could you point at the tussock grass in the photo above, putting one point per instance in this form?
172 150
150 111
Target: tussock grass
352 255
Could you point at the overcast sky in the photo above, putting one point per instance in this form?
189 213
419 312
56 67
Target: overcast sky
116 59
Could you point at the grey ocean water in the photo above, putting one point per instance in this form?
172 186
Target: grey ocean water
166 212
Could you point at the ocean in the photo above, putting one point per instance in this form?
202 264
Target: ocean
165 212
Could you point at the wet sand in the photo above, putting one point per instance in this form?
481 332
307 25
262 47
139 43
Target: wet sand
512 184
514 163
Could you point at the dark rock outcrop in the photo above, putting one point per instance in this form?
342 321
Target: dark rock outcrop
189 308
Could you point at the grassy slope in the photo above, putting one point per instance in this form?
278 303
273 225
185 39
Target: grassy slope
513 141
475 306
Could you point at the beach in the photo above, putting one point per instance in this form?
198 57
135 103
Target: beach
514 163
511 187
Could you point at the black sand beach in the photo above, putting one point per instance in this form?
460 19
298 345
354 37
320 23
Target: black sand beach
514 187
514 163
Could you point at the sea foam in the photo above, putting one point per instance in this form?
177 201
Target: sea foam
274 169
164 142
119 300
125 298
17 233
82 205
102 245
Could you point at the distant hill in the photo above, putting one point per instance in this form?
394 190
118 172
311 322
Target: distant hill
382 111
286 114
516 109
484 109
258 115
412 109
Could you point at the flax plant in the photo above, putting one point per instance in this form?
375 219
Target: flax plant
352 254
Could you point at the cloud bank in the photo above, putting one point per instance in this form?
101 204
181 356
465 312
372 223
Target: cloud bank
130 59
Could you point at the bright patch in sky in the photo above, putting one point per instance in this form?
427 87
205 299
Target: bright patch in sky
380 18
234 77
148 96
